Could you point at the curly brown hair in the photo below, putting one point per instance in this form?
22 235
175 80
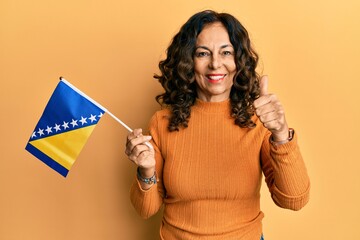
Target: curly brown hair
177 71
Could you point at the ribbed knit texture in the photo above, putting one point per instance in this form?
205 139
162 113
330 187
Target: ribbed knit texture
210 176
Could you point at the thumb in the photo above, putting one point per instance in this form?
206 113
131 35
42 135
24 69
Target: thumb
264 85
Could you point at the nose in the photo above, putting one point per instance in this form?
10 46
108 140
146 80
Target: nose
215 62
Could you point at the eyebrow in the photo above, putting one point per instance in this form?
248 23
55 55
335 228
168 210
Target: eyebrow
221 47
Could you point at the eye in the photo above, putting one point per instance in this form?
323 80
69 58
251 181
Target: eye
202 54
227 53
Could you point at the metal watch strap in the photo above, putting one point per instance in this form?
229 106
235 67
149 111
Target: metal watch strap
277 143
151 180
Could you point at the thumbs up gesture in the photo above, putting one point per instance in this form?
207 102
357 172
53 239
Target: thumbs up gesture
270 112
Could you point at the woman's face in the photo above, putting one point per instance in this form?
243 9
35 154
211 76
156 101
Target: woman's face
214 63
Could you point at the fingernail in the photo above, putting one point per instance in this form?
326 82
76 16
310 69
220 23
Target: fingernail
148 137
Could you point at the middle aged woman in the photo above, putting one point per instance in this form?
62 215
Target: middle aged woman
218 132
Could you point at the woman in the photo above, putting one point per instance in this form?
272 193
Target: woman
219 131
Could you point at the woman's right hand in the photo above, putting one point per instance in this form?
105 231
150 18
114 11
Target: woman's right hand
140 151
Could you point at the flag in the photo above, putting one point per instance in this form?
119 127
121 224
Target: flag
64 127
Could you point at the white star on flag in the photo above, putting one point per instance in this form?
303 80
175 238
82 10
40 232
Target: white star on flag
92 118
83 120
41 131
33 135
65 125
57 127
74 123
48 130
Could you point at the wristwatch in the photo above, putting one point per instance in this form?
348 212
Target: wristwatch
151 180
277 143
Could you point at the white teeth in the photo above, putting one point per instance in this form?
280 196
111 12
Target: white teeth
216 77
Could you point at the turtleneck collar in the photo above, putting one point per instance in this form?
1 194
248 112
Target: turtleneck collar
212 107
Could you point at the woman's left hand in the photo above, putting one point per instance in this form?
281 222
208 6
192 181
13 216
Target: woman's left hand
270 112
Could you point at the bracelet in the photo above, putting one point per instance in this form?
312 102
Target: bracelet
277 143
151 180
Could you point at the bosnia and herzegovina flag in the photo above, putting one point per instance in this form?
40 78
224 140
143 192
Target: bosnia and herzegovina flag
64 127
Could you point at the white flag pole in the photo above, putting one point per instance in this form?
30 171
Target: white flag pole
96 103
119 121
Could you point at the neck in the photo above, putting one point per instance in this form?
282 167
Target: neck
213 107
212 98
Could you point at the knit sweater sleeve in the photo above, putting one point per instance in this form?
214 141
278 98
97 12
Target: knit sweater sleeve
285 173
148 202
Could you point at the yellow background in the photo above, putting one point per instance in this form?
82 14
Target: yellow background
110 50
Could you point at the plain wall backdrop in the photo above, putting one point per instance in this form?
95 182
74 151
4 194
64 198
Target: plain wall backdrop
111 49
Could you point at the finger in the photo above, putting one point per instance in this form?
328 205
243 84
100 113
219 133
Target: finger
137 131
268 117
134 134
264 100
264 81
139 149
261 101
140 140
264 109
144 162
145 159
267 105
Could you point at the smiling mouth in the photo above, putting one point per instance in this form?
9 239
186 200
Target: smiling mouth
214 78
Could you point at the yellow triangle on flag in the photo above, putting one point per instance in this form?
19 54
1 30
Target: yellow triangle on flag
64 147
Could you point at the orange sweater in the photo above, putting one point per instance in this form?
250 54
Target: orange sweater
209 176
